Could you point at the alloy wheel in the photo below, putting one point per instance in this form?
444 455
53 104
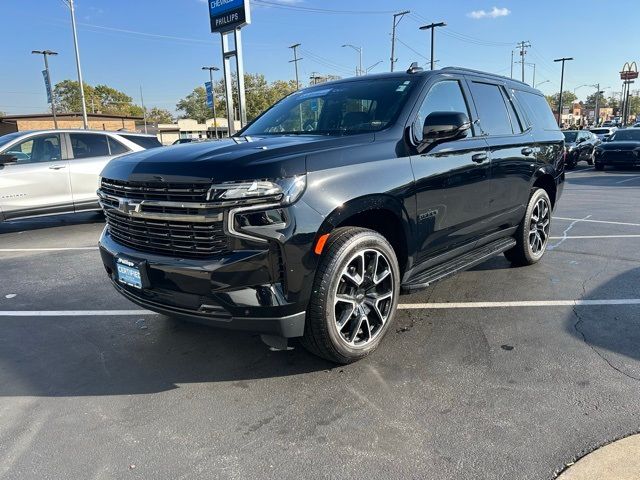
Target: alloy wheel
363 297
539 226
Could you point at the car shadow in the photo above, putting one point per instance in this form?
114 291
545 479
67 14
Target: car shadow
51 221
613 331
77 356
603 179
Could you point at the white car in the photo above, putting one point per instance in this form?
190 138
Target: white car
47 172
603 133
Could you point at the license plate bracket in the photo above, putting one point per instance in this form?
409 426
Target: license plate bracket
130 272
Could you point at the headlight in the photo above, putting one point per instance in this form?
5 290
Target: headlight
282 190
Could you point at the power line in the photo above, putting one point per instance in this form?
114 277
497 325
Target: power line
412 49
267 3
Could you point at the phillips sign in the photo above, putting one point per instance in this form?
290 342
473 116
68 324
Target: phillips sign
226 15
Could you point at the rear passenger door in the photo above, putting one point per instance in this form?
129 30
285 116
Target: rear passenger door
90 153
451 177
513 152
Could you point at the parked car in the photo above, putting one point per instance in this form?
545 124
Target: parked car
603 133
56 171
579 145
315 217
180 141
622 150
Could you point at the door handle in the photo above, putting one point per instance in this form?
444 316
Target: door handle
479 157
526 151
56 167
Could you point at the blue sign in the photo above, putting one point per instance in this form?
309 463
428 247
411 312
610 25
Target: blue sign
209 90
47 85
227 15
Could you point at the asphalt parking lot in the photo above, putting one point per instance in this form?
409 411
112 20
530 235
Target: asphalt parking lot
499 372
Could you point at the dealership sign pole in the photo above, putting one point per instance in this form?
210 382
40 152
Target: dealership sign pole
227 17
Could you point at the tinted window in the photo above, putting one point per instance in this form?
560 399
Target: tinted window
570 137
516 124
632 135
45 148
601 131
144 142
537 110
86 145
492 110
444 96
116 148
338 109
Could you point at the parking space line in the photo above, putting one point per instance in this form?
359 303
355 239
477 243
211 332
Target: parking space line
592 236
596 221
402 306
629 179
52 249
578 171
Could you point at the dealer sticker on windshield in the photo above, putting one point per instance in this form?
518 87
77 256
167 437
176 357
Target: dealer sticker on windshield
128 273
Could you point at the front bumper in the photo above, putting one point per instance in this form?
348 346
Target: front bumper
618 159
243 290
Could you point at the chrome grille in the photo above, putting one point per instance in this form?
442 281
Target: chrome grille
149 217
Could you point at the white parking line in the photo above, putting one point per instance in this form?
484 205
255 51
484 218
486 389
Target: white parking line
52 249
629 179
578 171
596 221
592 236
402 306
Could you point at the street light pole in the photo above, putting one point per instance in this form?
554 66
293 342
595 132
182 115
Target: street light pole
432 27
563 59
45 54
213 98
393 35
541 83
359 70
85 121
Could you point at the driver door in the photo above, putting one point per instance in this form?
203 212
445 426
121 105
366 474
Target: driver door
38 182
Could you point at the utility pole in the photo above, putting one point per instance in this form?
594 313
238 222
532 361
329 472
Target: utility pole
596 112
295 62
213 98
396 21
45 54
432 27
563 59
522 46
144 110
511 63
85 121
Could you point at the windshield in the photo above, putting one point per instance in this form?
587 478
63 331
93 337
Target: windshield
341 109
4 139
570 137
626 135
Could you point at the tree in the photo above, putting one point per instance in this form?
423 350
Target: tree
567 99
2 114
159 115
99 99
591 100
259 93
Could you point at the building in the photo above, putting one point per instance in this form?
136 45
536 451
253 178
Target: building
189 128
44 121
316 78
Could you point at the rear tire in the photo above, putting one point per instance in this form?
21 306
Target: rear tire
532 235
355 295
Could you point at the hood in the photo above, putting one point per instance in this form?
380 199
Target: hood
621 145
237 158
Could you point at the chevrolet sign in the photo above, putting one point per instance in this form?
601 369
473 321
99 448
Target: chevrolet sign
227 15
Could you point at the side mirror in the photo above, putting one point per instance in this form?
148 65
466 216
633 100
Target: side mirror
440 126
7 158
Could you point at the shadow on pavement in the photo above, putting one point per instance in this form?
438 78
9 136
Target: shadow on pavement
604 179
613 331
52 221
75 356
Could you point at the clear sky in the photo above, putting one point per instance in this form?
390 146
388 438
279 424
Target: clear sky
162 44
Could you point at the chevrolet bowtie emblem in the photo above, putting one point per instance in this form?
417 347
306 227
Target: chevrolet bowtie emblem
128 206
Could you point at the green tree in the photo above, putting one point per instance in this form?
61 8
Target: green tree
68 98
159 115
590 102
567 99
194 105
99 99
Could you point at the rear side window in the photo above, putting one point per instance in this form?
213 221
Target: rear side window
87 145
116 148
144 142
492 109
537 109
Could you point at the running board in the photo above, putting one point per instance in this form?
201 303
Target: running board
458 264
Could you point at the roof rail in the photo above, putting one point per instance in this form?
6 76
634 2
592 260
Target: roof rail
479 72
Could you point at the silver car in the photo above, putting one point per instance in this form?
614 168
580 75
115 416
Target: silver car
47 172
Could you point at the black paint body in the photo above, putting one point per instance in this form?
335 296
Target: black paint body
436 204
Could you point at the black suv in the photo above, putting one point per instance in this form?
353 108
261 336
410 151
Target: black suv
312 220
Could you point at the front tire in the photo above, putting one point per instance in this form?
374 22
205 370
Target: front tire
532 235
355 296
